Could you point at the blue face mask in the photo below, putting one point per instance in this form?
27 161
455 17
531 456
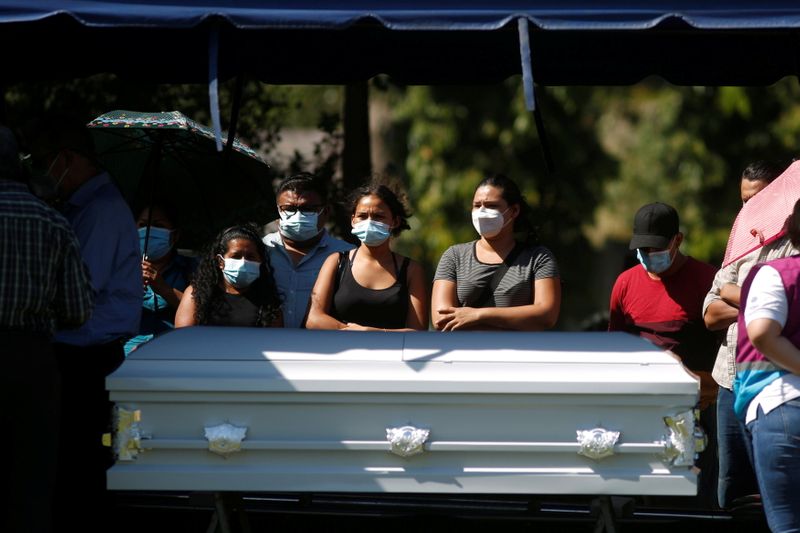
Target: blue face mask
299 226
655 262
371 232
240 273
159 244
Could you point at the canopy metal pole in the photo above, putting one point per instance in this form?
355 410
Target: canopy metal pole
527 69
213 84
234 121
544 140
530 94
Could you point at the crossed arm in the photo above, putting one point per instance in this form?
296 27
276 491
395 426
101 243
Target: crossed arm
540 315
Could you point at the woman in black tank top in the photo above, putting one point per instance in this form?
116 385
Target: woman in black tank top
233 285
371 288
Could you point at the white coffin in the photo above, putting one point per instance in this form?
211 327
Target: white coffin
502 411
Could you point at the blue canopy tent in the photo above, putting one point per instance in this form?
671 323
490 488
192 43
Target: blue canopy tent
571 42
565 42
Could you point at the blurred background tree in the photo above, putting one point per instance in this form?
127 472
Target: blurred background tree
615 149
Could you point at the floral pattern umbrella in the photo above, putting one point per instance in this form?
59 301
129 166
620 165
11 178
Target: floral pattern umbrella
168 158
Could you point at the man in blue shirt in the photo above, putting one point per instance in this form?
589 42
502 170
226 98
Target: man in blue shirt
109 245
298 249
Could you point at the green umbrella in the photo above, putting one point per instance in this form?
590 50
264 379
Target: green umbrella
167 157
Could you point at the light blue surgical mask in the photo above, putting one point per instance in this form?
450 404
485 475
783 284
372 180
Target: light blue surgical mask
655 262
159 243
371 232
299 226
240 273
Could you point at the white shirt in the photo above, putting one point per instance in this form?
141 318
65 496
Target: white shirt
767 299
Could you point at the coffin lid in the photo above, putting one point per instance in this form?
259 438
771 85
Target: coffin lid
251 359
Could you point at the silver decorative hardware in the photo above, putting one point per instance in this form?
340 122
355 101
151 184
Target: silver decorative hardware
407 440
597 443
685 438
225 439
127 443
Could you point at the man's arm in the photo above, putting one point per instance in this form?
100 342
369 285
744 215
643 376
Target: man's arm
730 292
718 313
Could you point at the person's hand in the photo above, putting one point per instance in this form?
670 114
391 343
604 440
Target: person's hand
152 277
352 326
453 318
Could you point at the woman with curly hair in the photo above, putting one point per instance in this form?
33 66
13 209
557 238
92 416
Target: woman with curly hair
371 288
233 285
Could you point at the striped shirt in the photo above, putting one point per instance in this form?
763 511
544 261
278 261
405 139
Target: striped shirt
460 265
44 284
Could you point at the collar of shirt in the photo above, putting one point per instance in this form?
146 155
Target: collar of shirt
276 240
12 186
86 191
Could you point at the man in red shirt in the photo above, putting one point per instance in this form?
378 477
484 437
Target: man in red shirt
661 299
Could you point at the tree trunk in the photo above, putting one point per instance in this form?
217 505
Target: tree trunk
356 164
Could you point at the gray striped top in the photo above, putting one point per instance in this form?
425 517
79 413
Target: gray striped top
460 264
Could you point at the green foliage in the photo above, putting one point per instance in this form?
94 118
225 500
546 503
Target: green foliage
264 111
457 135
615 149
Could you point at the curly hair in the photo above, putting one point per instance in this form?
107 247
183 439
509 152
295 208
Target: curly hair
208 284
394 201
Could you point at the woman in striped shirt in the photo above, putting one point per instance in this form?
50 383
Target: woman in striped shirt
497 281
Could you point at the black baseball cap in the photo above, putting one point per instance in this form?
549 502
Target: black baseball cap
654 226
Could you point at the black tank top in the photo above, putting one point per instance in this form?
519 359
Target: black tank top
378 308
242 311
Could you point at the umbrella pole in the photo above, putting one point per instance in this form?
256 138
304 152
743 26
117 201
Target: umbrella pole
234 122
153 164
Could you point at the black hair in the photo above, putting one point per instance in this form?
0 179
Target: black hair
304 182
208 286
168 208
761 171
511 194
395 202
793 225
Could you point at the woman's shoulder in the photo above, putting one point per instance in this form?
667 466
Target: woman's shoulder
540 259
407 262
461 249
535 251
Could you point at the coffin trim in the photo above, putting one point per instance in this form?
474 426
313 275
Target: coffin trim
378 445
597 443
127 442
407 440
225 439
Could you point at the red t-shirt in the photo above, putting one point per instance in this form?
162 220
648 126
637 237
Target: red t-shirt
667 311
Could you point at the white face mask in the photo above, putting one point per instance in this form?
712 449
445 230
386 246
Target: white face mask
488 222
